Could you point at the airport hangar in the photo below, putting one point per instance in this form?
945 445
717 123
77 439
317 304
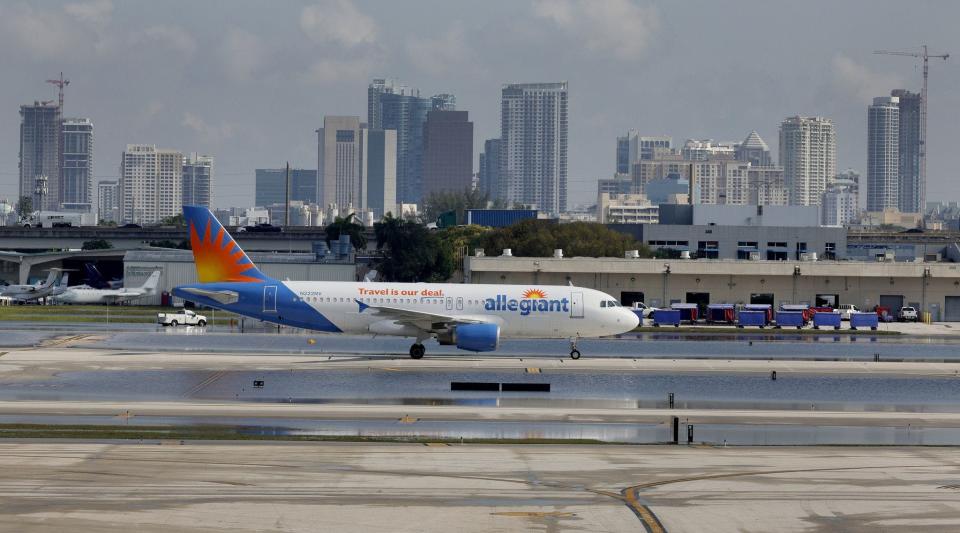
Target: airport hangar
933 287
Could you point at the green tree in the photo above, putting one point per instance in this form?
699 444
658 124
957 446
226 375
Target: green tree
107 223
25 206
440 202
349 226
96 244
175 220
538 238
411 252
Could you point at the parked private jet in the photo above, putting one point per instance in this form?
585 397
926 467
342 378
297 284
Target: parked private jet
84 294
472 317
27 293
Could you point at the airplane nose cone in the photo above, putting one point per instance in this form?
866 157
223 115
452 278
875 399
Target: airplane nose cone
632 321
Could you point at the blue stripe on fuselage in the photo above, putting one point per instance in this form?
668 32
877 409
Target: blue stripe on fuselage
291 310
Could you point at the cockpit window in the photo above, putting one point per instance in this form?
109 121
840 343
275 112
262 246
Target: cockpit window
603 303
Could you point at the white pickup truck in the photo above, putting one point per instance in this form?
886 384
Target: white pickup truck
185 317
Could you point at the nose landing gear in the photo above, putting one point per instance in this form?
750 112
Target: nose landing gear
574 352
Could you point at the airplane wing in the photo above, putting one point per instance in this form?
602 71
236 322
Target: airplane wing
417 319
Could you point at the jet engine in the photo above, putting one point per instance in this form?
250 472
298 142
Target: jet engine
473 337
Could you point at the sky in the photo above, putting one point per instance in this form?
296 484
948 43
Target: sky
250 81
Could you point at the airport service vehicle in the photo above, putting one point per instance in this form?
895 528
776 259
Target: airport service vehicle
25 293
908 314
469 316
185 317
845 310
84 294
643 308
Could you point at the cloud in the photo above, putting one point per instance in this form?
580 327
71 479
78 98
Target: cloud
619 26
208 133
339 22
859 81
38 33
331 71
172 37
242 53
96 13
441 54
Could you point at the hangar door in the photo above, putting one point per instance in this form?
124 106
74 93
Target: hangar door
951 309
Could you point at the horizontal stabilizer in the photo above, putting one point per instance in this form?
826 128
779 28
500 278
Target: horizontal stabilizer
224 297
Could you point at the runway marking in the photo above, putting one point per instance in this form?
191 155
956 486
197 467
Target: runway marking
533 370
204 384
631 495
535 514
436 444
407 419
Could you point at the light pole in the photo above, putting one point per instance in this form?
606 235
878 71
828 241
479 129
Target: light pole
666 276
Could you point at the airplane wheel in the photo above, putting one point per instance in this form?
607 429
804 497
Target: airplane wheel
574 354
417 351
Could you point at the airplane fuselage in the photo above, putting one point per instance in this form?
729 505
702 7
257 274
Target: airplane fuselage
541 311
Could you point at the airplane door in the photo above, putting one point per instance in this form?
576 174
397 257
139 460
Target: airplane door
270 299
449 304
576 305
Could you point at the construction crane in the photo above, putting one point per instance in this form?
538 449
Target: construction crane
60 83
925 55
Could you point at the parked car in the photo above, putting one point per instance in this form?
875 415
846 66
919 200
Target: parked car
845 310
185 317
644 309
908 314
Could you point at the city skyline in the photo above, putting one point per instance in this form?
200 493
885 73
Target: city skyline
205 95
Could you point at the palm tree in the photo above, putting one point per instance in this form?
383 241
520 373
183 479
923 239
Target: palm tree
347 225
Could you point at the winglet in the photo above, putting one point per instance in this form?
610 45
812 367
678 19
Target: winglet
361 304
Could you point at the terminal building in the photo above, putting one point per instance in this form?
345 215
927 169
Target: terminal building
933 287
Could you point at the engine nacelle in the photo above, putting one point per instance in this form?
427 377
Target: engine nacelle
477 337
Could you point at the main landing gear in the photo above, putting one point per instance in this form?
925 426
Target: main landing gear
574 352
417 351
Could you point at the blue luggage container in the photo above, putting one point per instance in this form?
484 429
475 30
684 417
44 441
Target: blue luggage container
826 320
864 320
721 313
753 318
790 318
667 317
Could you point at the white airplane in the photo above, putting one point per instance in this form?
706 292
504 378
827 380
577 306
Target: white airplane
26 293
85 294
471 317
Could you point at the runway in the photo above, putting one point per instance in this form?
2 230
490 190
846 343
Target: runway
206 487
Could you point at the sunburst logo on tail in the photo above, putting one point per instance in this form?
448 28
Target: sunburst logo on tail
534 294
219 258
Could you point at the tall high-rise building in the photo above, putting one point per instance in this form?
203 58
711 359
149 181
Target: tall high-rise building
754 150
108 200
271 186
197 180
883 154
378 171
808 155
40 137
489 178
151 186
443 102
76 174
338 162
533 129
447 152
913 186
